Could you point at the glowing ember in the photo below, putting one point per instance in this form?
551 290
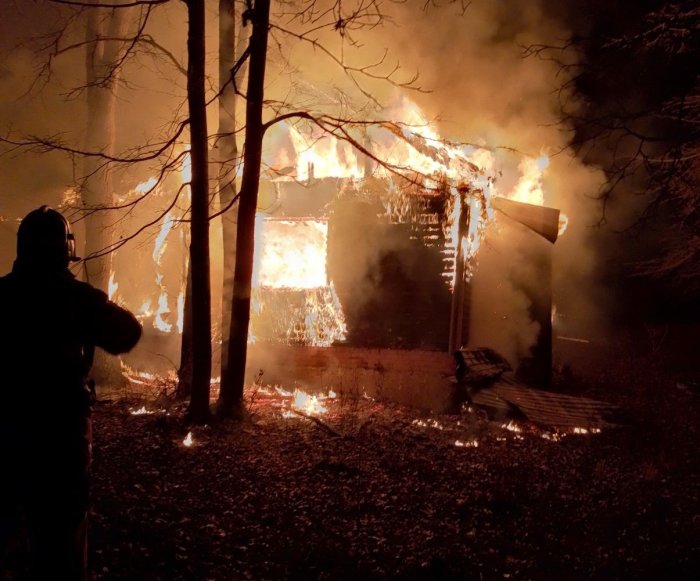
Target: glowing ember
512 427
188 441
467 444
552 437
581 431
428 424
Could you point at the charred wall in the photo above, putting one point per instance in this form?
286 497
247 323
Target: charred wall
390 283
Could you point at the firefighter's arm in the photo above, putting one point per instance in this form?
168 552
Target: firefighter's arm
113 328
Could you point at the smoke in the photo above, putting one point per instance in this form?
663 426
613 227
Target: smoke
481 88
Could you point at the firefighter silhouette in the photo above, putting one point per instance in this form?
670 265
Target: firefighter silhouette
50 324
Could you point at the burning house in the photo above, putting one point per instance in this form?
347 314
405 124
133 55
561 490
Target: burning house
367 279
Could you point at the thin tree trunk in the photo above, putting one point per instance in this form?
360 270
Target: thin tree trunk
102 84
97 189
184 373
199 244
232 390
228 152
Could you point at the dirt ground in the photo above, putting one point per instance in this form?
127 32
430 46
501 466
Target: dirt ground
376 491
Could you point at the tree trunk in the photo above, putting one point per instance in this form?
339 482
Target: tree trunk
231 397
230 49
228 152
199 244
184 373
97 189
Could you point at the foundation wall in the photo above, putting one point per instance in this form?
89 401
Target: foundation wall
418 379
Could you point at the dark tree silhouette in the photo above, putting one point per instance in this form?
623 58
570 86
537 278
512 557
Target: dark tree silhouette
638 70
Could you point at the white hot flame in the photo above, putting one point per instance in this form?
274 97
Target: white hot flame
113 286
292 254
163 309
308 403
180 312
529 188
160 243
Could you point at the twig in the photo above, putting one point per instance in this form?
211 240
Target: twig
319 422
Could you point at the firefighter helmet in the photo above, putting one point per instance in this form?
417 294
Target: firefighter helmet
45 237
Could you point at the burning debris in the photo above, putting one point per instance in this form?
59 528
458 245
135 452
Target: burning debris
300 401
482 378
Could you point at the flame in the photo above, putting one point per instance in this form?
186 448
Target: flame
145 310
163 309
467 444
146 186
71 198
186 170
304 402
160 243
141 411
137 377
158 249
410 142
113 286
180 312
529 187
292 253
309 404
324 322
563 223
188 441
324 156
